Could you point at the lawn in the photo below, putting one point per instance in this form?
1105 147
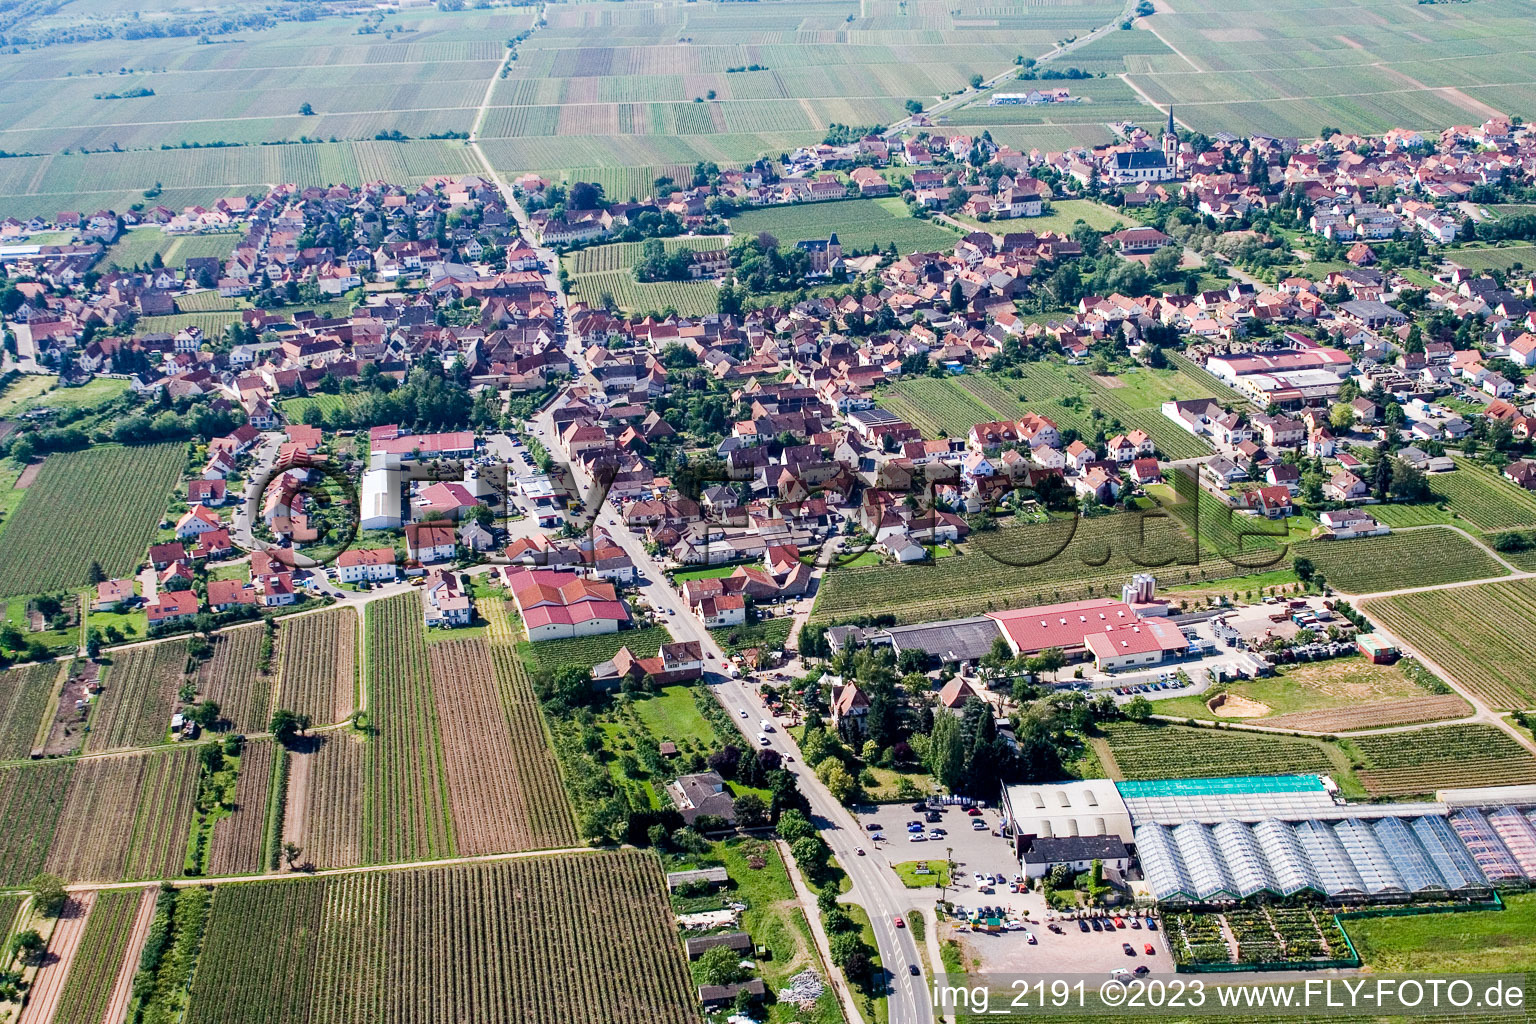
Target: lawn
860 224
937 873
712 573
1474 942
23 390
768 634
672 714
94 392
1061 218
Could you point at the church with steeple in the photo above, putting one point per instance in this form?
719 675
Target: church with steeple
1171 142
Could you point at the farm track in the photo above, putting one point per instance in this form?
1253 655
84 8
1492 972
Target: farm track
98 959
49 981
122 987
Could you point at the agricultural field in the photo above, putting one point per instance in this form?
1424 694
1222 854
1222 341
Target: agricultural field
687 298
25 695
624 255
1424 760
233 676
1292 70
139 246
100 958
1418 558
1473 633
405 809
318 656
93 393
1500 257
101 504
139 692
860 224
24 391
296 409
523 939
768 635
425 75
1474 942
1022 565
493 797
125 817
604 85
1325 697
592 650
1484 499
239 838
324 801
31 799
1155 751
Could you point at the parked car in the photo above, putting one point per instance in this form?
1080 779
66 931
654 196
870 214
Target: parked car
873 827
1147 948
900 923
973 811
978 826
1129 949
1141 969
1097 925
1151 925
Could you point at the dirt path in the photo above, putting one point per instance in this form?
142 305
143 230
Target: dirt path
296 801
122 988
28 475
48 983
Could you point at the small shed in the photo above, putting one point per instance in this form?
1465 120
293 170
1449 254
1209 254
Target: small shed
718 995
737 942
1378 648
714 876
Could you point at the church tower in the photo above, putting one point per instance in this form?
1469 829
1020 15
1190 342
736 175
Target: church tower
1170 140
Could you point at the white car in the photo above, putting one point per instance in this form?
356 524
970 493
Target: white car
743 712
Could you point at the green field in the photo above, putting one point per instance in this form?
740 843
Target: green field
24 391
1502 257
623 255
1401 559
768 635
1156 751
1473 942
1474 633
1449 756
590 650
138 246
859 224
1290 70
1070 396
295 409
1017 566
102 504
687 298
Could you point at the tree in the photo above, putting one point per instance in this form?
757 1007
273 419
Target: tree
842 785
49 895
914 106
286 724
291 851
751 810
721 966
1341 416
946 751
205 714
1163 265
1303 568
1382 472
94 573
956 296
585 195
794 825
306 110
1137 709
27 944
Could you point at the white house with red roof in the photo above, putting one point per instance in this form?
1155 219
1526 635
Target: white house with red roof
172 606
373 564
555 604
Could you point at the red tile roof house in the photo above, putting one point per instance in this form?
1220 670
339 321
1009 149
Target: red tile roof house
555 604
224 595
430 542
172 606
674 663
162 555
111 593
211 493
445 604
196 521
725 610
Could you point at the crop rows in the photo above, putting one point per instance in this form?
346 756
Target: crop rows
555 939
1489 502
587 651
546 807
1173 752
24 696
126 817
1021 565
1476 634
233 677
1424 760
319 665
100 504
139 693
332 812
1373 714
405 811
688 298
99 957
238 846
1399 560
623 255
31 799
936 406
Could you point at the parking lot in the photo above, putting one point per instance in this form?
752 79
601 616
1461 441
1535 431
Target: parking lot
972 850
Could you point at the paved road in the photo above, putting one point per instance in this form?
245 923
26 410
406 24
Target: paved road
875 887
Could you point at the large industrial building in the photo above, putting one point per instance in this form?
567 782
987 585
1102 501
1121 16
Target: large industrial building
1202 841
1114 633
